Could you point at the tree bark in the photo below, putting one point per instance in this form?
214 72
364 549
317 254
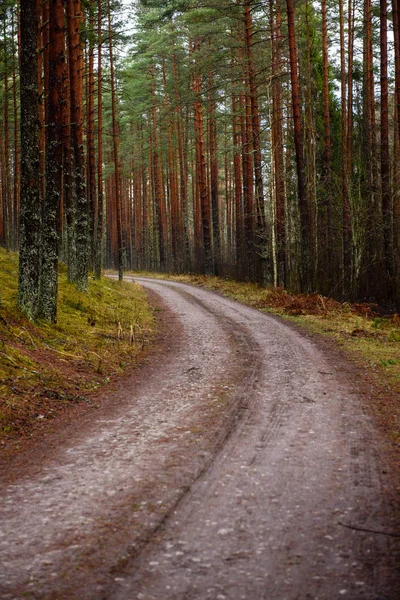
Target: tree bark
346 227
16 187
261 245
75 50
99 211
305 221
387 214
396 191
54 159
277 142
30 219
328 227
213 150
90 138
206 263
115 134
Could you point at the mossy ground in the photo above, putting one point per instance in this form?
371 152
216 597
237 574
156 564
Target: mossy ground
44 368
369 337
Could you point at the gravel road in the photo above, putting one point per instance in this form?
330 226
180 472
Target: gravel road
239 463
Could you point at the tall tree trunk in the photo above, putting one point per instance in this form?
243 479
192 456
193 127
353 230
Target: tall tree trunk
30 220
75 51
115 133
54 158
371 267
385 155
16 187
238 186
7 178
99 201
206 262
277 142
329 241
183 178
396 191
305 220
347 237
311 150
157 187
69 197
91 154
213 149
350 60
261 231
172 177
247 170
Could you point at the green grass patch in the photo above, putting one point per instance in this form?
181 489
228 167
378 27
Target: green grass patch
46 367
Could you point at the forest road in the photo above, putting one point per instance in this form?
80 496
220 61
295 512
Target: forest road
239 463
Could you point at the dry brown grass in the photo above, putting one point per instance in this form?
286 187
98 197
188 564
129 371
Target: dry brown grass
45 368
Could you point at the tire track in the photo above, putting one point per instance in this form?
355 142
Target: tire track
65 531
265 520
239 467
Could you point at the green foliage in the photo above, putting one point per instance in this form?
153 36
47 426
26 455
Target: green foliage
379 323
44 367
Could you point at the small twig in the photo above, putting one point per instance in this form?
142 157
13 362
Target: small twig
397 535
28 334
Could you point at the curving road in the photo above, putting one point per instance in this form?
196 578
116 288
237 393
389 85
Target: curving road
239 463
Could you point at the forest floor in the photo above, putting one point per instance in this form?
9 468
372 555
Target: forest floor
243 458
49 370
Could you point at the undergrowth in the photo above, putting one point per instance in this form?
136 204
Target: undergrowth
46 367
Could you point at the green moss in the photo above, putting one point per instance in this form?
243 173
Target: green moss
98 334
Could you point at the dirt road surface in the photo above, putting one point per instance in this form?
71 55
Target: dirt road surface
239 463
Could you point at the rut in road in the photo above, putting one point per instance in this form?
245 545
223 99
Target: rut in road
277 509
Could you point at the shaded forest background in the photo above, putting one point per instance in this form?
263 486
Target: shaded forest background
258 141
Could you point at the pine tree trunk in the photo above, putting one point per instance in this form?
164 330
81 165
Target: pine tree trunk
54 158
75 50
238 187
30 219
387 213
277 143
7 196
396 158
115 133
91 154
261 242
347 237
213 149
172 178
16 187
205 260
305 221
329 257
183 179
157 188
99 201
311 151
372 255
247 170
